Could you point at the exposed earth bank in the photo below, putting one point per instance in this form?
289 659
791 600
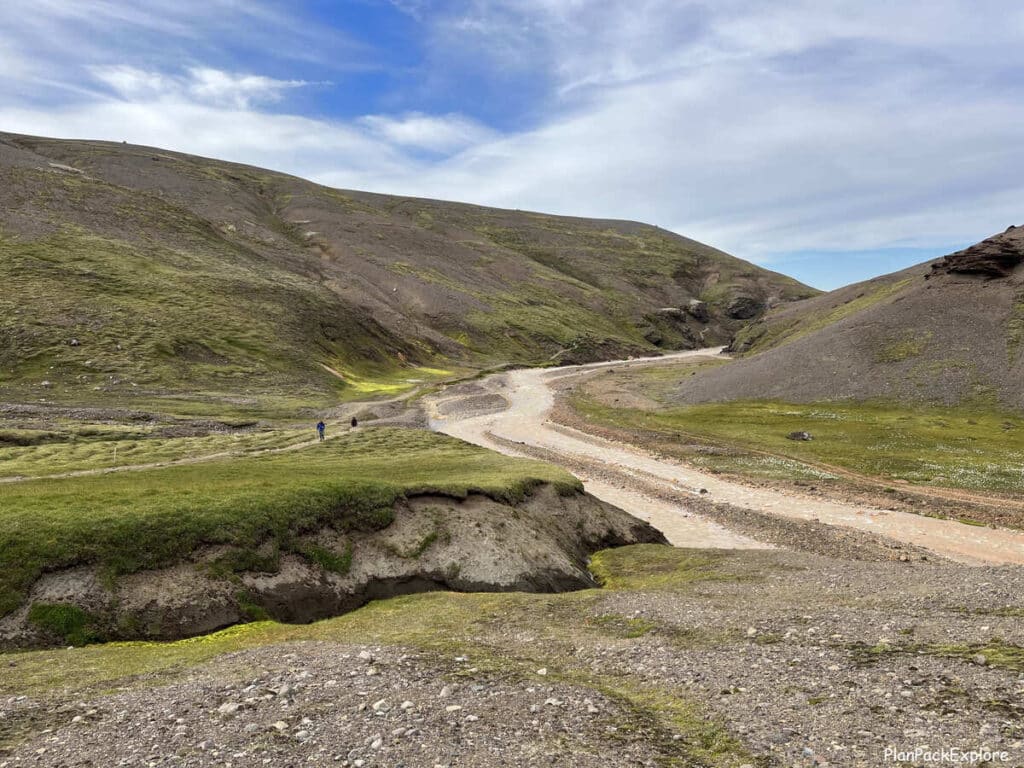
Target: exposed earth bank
476 544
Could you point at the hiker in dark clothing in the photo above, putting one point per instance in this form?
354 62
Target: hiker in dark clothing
320 427
355 422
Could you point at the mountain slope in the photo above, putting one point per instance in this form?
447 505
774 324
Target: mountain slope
154 275
947 332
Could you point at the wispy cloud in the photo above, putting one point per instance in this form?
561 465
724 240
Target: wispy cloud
203 84
436 133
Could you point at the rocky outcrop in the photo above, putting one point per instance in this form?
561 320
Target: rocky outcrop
744 308
993 257
698 310
475 544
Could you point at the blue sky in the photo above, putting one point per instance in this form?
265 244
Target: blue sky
829 139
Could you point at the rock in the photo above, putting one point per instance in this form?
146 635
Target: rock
542 671
302 736
280 726
669 312
996 256
653 335
366 656
445 692
453 708
698 310
801 436
979 659
74 343
229 708
751 632
407 704
744 308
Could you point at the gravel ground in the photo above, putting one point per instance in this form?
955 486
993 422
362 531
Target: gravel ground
328 704
803 660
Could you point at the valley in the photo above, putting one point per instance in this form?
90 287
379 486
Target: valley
587 487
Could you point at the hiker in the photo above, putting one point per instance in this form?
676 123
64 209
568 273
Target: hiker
355 422
320 427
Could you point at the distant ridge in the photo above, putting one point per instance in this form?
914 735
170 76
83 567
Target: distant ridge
948 331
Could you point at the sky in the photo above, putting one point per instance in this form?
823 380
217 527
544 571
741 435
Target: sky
832 140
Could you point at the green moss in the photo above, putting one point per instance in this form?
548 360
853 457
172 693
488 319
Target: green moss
653 566
249 606
620 626
902 349
996 653
68 623
328 559
245 560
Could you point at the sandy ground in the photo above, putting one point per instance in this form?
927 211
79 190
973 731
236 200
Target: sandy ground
523 427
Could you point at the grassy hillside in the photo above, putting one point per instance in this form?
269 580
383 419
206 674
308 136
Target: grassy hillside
190 285
942 333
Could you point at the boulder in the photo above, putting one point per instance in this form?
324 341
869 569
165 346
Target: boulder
674 312
801 436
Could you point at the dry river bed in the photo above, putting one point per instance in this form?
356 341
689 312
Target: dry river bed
510 413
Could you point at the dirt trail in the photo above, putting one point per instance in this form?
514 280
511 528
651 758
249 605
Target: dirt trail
529 397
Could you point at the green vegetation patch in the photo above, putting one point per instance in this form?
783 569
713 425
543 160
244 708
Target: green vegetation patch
995 652
106 447
69 623
328 559
653 566
900 349
128 521
969 447
773 332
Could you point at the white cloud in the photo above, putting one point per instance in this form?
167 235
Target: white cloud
288 143
204 84
437 133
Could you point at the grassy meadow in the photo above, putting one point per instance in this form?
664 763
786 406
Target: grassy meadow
971 447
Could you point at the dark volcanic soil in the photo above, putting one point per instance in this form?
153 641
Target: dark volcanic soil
943 332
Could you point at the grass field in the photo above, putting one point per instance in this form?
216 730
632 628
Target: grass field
128 521
36 453
969 447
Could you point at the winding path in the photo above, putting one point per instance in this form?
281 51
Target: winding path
623 474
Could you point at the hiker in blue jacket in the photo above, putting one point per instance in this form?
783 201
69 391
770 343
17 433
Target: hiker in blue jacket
320 428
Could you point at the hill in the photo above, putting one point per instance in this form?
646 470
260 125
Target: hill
944 332
178 282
